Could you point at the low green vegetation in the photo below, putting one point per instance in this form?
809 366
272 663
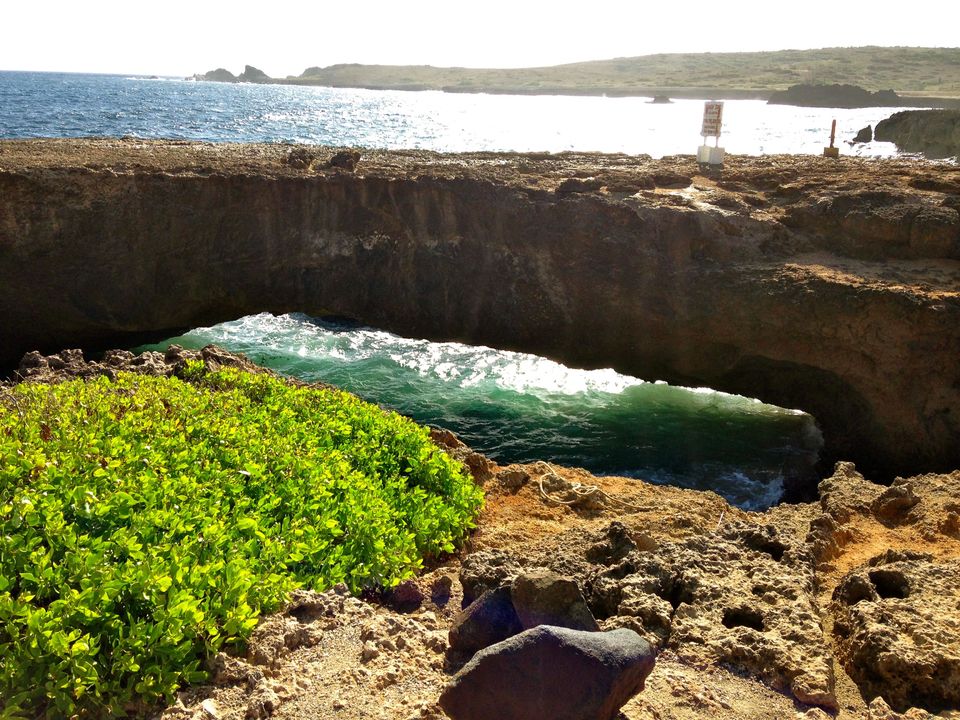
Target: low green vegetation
145 523
923 71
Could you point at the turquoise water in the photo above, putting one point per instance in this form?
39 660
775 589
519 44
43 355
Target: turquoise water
516 407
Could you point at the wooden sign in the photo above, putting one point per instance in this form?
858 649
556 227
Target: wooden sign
712 119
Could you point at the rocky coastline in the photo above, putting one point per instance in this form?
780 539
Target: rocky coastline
844 607
935 133
923 77
831 286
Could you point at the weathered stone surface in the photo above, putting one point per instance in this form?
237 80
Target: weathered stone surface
550 673
489 619
876 224
480 248
615 544
897 626
745 597
345 159
70 364
406 596
513 478
930 503
542 597
480 466
486 570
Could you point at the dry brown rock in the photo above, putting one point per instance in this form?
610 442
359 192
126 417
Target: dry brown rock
898 629
486 570
745 598
542 597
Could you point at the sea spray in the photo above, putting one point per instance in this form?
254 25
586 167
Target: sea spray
517 407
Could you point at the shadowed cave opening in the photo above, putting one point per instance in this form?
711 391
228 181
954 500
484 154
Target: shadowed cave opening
742 617
890 583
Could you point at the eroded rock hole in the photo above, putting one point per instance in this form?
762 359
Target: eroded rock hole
890 583
773 548
742 617
676 592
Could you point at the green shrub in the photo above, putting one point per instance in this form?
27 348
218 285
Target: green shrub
146 522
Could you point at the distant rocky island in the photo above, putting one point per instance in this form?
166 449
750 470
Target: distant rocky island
831 77
250 74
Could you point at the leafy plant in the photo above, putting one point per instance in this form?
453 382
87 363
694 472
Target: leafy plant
147 522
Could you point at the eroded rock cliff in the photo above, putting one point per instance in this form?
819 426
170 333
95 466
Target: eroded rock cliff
935 133
829 286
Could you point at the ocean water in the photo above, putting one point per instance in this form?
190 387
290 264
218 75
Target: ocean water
76 105
513 407
517 407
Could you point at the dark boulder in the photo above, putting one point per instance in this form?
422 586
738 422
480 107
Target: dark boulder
486 621
541 597
864 135
551 673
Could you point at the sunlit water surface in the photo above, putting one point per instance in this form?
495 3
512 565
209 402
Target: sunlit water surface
76 105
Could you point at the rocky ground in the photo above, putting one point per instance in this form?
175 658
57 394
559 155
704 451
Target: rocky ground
789 613
846 607
805 610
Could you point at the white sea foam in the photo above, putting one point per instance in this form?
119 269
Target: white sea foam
520 407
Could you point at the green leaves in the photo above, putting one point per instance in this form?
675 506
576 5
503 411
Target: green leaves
146 522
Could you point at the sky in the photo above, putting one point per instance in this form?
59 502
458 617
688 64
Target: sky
281 37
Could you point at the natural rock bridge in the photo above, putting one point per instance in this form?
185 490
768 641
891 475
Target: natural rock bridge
828 286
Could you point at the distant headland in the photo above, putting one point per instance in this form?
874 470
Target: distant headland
872 76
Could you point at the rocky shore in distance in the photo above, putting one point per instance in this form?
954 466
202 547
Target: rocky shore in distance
802 95
923 77
845 607
835 96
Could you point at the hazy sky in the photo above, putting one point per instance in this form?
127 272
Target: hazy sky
283 37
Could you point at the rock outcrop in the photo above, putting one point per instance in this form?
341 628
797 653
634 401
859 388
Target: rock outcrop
864 135
745 597
783 279
251 74
218 75
935 133
834 96
898 625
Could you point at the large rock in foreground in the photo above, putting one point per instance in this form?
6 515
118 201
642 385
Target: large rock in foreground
551 673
